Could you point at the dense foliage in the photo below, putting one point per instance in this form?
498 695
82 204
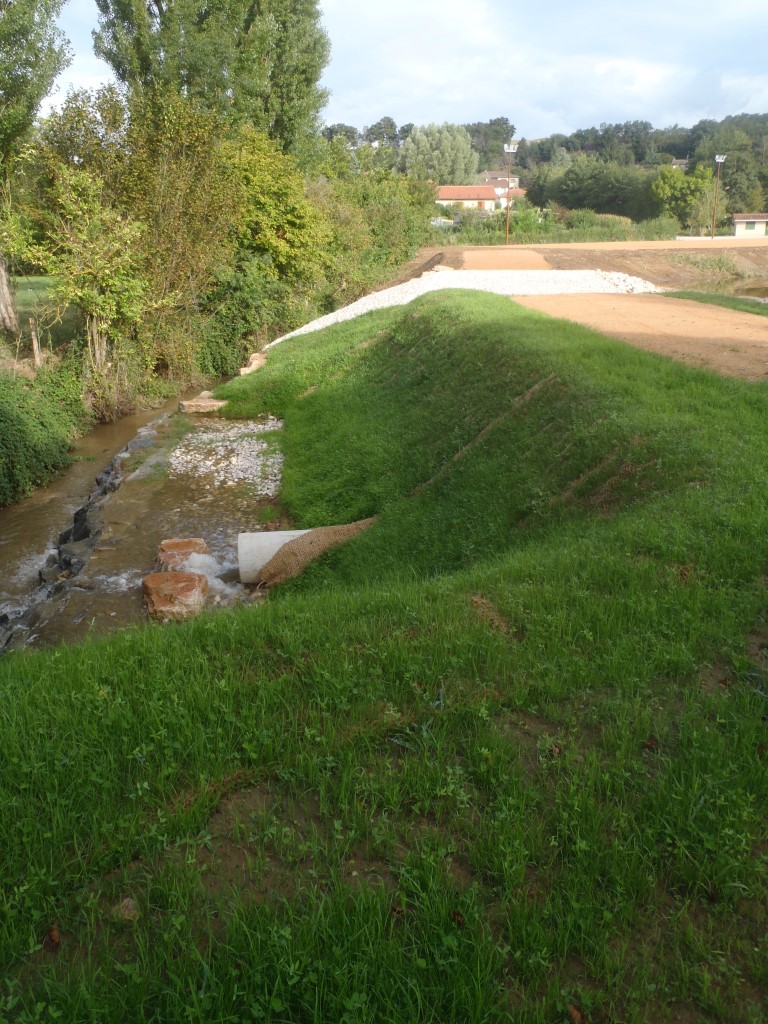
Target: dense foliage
189 214
253 63
38 422
32 53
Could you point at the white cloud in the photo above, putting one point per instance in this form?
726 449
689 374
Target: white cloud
555 68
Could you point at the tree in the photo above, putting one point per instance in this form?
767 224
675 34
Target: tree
384 132
488 139
404 131
680 193
32 53
253 62
342 131
440 153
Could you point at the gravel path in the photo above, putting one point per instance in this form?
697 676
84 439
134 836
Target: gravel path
500 282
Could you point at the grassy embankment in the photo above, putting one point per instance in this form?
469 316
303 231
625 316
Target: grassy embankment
502 755
726 301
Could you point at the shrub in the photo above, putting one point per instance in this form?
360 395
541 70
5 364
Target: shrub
39 420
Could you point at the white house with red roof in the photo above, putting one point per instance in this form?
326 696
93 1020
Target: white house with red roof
476 197
750 225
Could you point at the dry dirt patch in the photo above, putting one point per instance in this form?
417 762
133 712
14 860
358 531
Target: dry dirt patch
731 343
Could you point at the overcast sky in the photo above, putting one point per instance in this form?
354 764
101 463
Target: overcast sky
548 67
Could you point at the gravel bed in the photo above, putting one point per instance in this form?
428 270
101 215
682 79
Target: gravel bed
500 282
227 454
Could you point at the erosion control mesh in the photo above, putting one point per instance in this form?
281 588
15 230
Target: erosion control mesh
296 555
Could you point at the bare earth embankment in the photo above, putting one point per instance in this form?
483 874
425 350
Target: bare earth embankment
732 343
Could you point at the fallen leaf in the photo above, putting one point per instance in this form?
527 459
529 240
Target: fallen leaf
575 1015
458 918
651 743
52 940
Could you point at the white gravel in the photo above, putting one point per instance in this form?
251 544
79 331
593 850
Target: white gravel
228 454
500 282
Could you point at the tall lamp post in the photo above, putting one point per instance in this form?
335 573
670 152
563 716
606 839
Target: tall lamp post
510 150
719 159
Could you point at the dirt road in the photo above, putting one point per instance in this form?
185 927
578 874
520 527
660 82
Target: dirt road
734 344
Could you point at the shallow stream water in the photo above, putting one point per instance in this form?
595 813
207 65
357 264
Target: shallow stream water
194 477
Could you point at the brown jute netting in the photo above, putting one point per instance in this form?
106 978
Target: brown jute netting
295 556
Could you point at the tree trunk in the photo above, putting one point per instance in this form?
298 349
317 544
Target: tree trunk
9 322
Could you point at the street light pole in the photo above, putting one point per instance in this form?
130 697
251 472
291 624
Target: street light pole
510 150
719 159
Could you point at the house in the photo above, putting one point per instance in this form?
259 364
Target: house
476 197
501 182
680 165
750 225
471 197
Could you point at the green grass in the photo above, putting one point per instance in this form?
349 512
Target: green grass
32 296
501 755
727 301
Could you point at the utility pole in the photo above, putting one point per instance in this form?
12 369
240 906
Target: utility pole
510 150
719 159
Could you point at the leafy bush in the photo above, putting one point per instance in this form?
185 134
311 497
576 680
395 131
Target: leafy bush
39 420
662 227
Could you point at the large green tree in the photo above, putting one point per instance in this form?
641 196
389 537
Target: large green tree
680 193
32 53
488 140
254 61
739 173
440 153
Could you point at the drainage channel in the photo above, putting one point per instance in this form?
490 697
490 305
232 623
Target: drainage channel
177 477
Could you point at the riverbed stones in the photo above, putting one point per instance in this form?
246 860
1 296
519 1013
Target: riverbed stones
204 404
174 596
255 362
172 555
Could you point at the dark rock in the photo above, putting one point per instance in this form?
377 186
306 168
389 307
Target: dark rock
74 556
82 527
52 569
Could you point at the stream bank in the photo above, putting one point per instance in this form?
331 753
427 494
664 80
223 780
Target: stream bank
177 476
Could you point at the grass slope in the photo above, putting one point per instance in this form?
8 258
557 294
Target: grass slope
502 757
726 301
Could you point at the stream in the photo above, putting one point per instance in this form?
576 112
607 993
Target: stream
174 476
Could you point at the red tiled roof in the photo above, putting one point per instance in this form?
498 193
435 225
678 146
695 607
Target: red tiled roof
455 193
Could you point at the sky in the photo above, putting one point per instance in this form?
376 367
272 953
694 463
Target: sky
553 67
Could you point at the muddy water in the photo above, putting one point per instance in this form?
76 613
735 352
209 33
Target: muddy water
754 291
210 483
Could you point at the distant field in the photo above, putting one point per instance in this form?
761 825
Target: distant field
502 757
33 300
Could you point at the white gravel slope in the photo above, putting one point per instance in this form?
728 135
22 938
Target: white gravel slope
500 282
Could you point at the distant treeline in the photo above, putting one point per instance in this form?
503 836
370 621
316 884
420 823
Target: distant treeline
630 169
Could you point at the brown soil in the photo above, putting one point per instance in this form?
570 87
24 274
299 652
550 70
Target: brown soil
731 343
